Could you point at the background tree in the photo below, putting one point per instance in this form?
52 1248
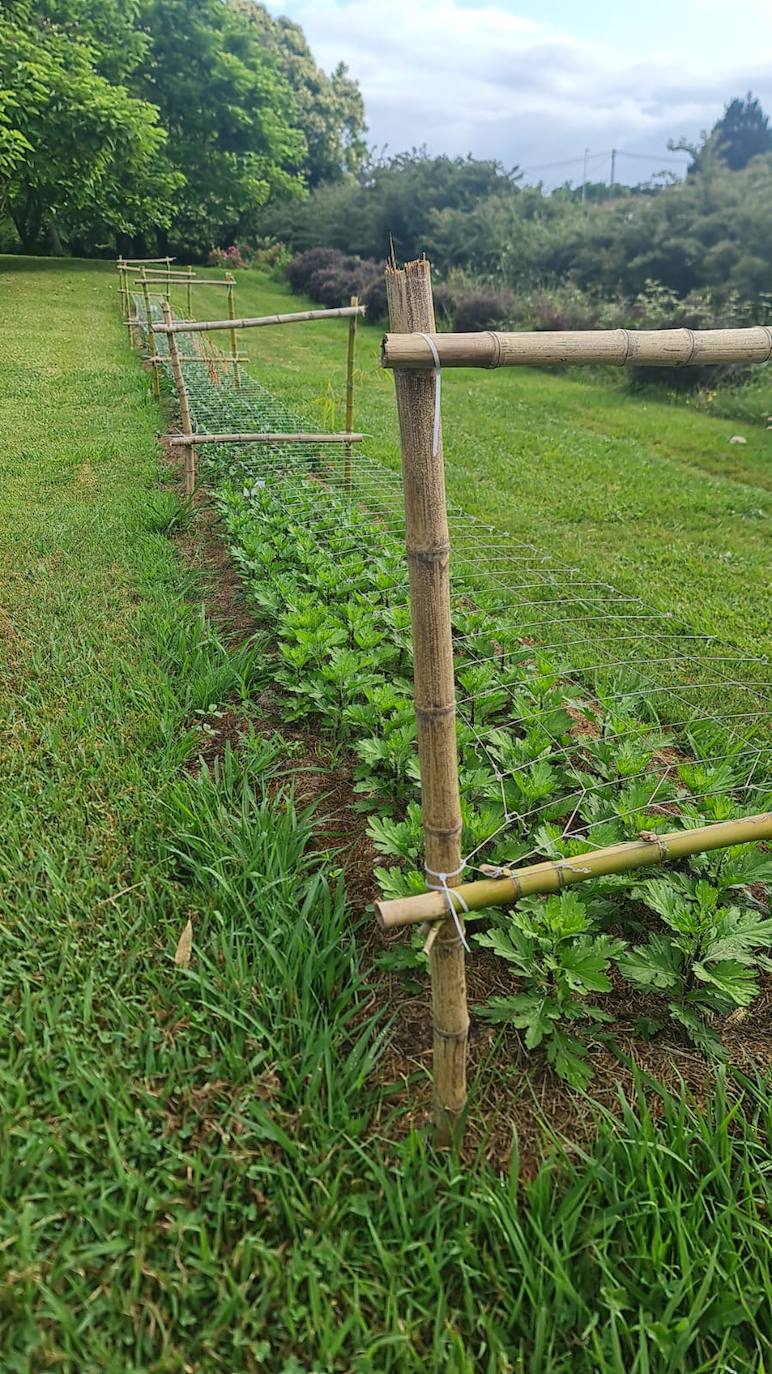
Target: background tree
742 132
328 109
82 150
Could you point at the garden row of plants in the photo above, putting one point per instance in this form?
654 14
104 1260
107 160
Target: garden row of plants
332 588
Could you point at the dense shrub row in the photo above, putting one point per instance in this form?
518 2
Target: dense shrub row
330 277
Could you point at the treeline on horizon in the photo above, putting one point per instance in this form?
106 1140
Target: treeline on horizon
200 126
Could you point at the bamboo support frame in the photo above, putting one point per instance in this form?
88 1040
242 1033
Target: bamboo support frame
267 438
149 319
137 263
552 876
615 347
201 326
189 452
231 293
350 355
411 307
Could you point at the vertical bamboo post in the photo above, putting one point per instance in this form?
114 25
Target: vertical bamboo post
189 299
411 308
352 340
150 338
231 294
122 292
168 279
188 452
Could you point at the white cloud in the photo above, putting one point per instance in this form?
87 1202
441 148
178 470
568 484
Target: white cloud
498 84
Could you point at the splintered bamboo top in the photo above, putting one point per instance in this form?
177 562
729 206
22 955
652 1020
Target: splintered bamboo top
642 347
199 326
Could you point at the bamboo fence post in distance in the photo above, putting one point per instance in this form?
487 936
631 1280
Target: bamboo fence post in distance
231 294
150 342
189 298
411 308
352 342
188 451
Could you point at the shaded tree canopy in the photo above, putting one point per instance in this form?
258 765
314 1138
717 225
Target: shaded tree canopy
118 117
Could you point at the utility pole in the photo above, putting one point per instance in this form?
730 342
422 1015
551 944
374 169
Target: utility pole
613 169
584 176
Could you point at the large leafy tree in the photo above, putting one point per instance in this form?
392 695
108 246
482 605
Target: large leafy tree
78 153
328 109
229 115
742 132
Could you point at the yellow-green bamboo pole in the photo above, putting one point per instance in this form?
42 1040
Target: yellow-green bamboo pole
189 452
231 293
411 306
617 347
265 438
350 355
149 338
189 298
202 326
554 876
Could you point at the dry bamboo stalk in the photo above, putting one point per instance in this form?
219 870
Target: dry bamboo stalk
273 438
231 316
411 307
641 347
131 262
189 453
553 877
209 359
199 326
352 342
149 320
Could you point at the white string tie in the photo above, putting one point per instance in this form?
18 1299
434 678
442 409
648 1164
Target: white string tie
437 395
442 886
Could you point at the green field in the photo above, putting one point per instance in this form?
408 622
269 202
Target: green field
207 1166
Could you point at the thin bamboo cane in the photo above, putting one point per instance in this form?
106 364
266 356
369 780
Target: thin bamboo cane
352 342
189 298
207 359
131 262
189 453
618 347
199 326
231 316
273 438
150 349
411 306
553 877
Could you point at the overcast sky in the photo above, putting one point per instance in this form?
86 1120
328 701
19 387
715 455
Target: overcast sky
534 83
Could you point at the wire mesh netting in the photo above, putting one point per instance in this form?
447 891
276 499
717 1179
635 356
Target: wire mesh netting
585 715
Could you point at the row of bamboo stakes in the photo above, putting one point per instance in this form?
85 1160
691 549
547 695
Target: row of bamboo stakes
188 441
414 350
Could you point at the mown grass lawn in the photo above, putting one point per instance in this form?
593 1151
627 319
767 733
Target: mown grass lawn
648 494
195 1171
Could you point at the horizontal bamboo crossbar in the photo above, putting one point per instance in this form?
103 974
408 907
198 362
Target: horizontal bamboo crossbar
131 262
156 271
264 438
221 360
618 347
554 876
198 326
